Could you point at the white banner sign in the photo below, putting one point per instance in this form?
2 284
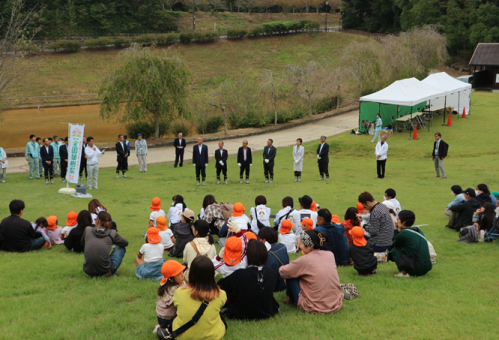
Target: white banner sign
75 146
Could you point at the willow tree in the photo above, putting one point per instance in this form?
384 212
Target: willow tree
145 85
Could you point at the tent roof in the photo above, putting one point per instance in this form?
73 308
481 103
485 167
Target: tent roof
445 82
486 54
405 92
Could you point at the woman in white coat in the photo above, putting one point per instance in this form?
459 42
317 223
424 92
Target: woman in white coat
298 153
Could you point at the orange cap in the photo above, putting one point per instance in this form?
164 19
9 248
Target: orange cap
360 207
156 204
238 209
161 222
72 216
307 221
335 219
250 235
358 236
286 226
233 250
169 269
153 235
313 206
52 222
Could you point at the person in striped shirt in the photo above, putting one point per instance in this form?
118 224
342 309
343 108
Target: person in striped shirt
380 224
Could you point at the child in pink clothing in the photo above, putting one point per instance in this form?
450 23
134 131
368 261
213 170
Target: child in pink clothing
54 231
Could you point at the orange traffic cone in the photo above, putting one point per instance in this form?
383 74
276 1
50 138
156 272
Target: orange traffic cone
464 112
415 135
449 121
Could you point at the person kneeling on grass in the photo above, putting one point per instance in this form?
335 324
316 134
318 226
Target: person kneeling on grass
99 260
312 280
362 254
149 260
251 290
410 248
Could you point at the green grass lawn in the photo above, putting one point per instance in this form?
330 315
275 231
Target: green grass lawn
46 293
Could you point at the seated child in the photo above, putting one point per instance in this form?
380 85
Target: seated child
287 237
40 226
156 211
149 260
167 238
53 231
362 254
233 256
173 278
70 224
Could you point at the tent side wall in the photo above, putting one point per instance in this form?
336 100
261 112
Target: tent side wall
368 111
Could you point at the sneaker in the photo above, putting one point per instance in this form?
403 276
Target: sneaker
145 170
240 181
96 188
89 188
81 178
204 183
140 171
3 181
401 274
270 181
124 175
197 183
296 178
327 179
117 176
31 178
218 181
266 181
299 179
46 181
52 181
63 180
320 179
247 181
226 182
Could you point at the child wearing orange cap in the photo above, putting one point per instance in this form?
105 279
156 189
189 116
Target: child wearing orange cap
54 231
70 224
233 257
287 237
149 260
351 220
362 254
155 211
173 278
166 234
307 224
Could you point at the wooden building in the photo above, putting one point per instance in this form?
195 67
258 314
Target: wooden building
485 66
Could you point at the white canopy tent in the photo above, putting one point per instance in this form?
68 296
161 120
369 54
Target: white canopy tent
458 93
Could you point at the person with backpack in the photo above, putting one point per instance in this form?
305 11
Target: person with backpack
201 245
260 214
283 214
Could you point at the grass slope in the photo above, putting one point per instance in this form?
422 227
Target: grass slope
47 294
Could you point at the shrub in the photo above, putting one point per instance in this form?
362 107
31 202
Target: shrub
145 40
68 46
326 104
311 26
256 32
179 127
186 38
147 129
172 38
205 37
122 42
30 48
99 43
213 124
236 34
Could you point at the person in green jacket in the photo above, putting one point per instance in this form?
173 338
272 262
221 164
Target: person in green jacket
32 155
410 241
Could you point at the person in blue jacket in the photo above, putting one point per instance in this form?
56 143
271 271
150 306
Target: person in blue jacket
338 242
377 128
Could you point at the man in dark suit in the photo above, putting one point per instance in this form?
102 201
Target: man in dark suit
179 145
269 153
122 152
47 156
200 159
63 152
221 156
323 158
83 162
244 160
439 153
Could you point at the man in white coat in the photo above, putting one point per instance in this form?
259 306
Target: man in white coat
298 153
91 154
381 151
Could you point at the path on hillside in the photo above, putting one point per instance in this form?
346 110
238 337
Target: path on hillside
308 132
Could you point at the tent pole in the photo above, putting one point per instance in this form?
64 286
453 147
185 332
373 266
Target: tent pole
411 124
396 123
359 115
445 107
458 102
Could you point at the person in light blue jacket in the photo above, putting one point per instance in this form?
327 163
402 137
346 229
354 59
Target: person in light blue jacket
3 165
32 155
56 144
377 129
457 192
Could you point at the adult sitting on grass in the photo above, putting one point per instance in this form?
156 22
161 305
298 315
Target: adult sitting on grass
95 207
16 234
99 261
457 192
380 223
202 289
466 210
338 242
483 194
251 290
410 248
278 254
483 218
202 245
73 240
312 280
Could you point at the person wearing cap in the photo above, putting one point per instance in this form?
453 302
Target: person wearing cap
338 242
244 161
287 209
351 220
362 254
73 240
54 231
239 217
141 152
17 234
260 214
156 211
380 223
3 165
323 159
298 215
465 210
251 290
70 224
173 279
175 211
314 206
298 154
390 195
312 281
149 260
221 156
200 160
457 192
269 153
391 209
494 196
439 153
166 234
410 241
202 245
183 233
307 224
287 237
381 152
231 257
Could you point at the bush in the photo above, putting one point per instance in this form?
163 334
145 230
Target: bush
122 42
236 34
145 40
326 104
213 124
67 46
167 39
179 127
205 37
256 32
311 26
147 129
99 43
30 48
186 38
172 38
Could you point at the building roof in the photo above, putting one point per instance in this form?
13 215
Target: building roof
485 54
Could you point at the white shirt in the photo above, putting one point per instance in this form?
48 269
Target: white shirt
262 213
381 150
320 150
152 252
154 215
221 152
298 215
123 146
67 230
200 147
226 270
397 206
242 221
92 155
436 147
47 148
289 240
282 213
174 213
166 238
95 214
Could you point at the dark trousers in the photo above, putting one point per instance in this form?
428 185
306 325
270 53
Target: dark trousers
268 169
64 168
83 166
244 168
200 170
122 165
298 173
293 289
48 169
381 168
179 156
222 169
324 169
